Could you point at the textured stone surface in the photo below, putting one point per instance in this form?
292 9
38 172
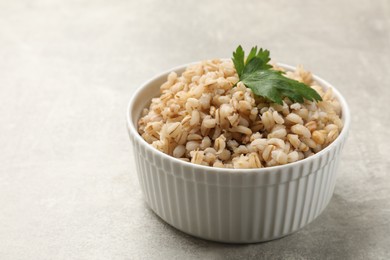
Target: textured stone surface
68 189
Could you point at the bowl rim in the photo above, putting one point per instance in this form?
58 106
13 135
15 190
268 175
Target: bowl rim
133 130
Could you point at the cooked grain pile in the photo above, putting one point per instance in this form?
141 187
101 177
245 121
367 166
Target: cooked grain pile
200 117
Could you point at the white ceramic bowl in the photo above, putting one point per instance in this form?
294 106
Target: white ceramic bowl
233 205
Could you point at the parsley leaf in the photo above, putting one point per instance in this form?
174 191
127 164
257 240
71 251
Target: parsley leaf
258 75
238 60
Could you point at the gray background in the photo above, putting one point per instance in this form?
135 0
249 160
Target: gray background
68 188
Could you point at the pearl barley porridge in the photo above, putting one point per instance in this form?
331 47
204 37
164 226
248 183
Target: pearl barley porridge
206 116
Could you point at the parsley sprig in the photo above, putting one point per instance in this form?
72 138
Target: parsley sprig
255 72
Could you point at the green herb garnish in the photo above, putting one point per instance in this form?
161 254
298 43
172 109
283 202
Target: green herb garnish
255 73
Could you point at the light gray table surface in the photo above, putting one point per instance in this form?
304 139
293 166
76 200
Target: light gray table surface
68 186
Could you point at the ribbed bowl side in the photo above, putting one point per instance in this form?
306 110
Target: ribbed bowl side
214 206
